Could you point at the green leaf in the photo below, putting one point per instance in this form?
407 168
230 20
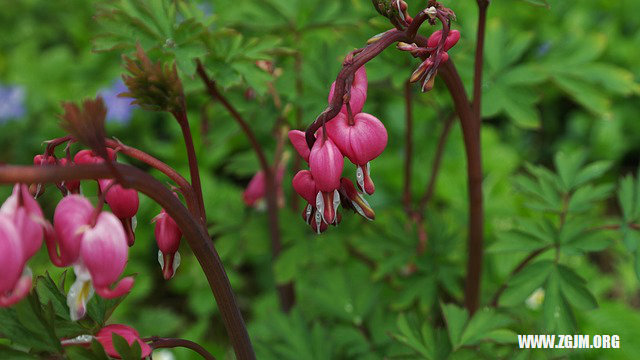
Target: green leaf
567 166
481 325
526 282
13 354
408 337
456 319
558 317
574 289
123 348
591 172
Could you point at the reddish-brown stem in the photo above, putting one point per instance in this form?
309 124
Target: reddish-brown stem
408 155
479 59
170 343
522 265
193 231
285 292
194 171
471 136
437 160
615 227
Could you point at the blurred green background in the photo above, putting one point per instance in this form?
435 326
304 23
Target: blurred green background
560 77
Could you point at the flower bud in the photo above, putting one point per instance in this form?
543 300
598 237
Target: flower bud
450 41
73 186
15 282
124 204
105 338
87 157
168 236
326 163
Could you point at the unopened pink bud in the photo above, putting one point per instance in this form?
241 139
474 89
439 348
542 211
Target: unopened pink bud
72 185
123 202
89 157
105 338
168 236
451 40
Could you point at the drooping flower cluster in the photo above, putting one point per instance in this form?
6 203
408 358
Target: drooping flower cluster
92 241
360 137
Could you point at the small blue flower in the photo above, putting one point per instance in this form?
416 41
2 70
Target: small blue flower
118 109
11 102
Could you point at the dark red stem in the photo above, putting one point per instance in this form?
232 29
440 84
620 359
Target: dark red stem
471 136
194 171
170 343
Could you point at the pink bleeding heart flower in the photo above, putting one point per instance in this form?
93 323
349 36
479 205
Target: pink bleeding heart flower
257 189
299 142
168 236
326 163
124 204
105 338
25 213
71 214
15 282
450 41
104 253
361 142
358 91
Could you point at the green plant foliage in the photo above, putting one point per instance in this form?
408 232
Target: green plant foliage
560 143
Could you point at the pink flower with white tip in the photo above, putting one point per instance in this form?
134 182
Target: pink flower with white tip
326 163
168 237
358 91
360 140
105 338
95 244
15 282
